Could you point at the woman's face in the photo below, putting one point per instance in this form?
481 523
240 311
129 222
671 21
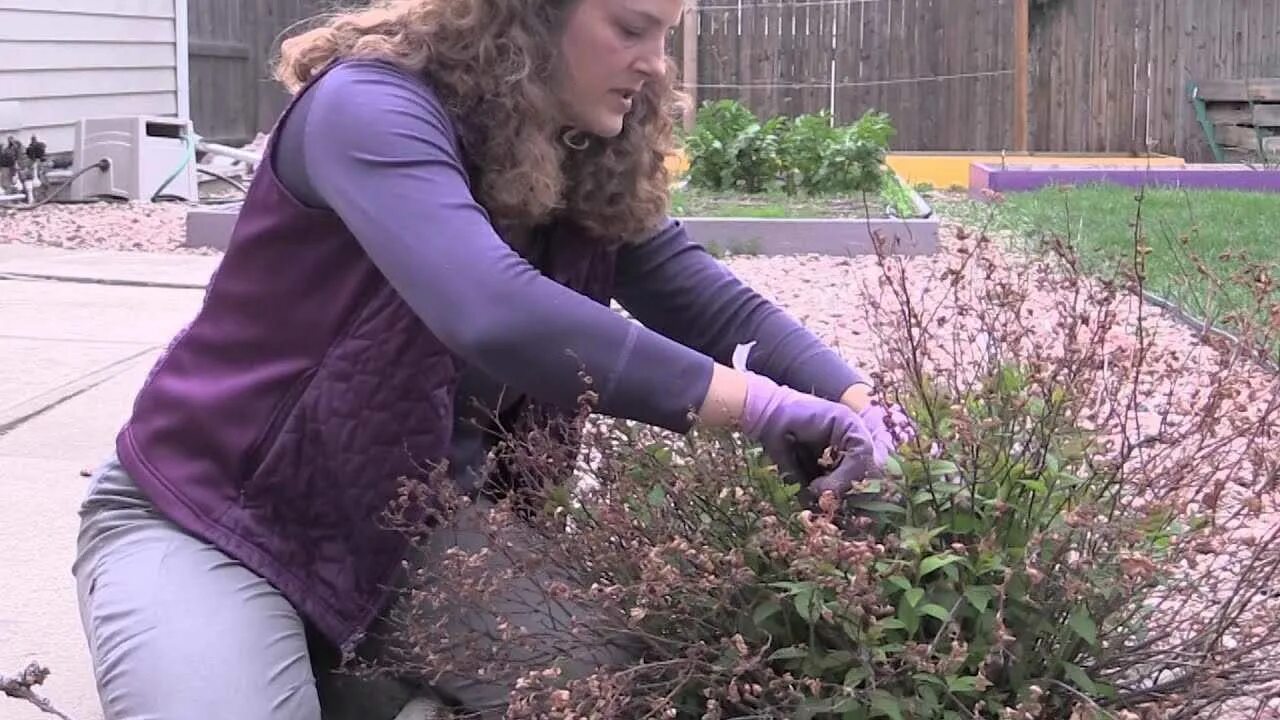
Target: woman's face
609 49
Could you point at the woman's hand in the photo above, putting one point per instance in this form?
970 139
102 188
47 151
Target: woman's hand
857 397
890 426
820 444
823 445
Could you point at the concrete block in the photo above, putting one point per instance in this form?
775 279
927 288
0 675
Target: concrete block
211 226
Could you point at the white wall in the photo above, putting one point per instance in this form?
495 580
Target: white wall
61 60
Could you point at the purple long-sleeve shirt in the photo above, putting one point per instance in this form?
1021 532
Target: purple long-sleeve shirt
375 145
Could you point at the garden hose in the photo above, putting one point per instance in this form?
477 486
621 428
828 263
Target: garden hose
102 165
188 157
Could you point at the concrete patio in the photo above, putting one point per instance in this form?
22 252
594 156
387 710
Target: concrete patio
78 332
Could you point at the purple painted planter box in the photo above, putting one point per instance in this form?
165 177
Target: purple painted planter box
993 178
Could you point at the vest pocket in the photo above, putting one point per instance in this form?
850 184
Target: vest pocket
279 415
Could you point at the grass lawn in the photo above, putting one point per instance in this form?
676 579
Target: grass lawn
1100 221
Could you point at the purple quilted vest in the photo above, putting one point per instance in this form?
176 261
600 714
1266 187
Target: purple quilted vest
279 422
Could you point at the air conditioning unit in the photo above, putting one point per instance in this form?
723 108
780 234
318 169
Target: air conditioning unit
144 152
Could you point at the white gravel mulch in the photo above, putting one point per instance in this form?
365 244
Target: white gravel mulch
135 226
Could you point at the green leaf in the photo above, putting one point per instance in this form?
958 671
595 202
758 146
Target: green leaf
914 596
1081 679
928 678
928 702
814 707
885 705
938 468
989 562
789 653
899 582
946 489
792 587
856 676
1034 485
835 660
1083 625
879 506
1107 690
980 597
1052 463
933 562
892 466
966 683
884 651
908 615
765 610
937 611
809 606
657 495
891 624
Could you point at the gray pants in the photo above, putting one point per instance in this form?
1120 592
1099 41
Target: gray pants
178 629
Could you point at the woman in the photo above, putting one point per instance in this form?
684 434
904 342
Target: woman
444 213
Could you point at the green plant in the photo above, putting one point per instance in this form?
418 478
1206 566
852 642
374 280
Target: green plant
854 161
897 194
757 153
804 152
1034 552
712 146
731 149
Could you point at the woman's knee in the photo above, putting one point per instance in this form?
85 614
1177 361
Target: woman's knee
175 627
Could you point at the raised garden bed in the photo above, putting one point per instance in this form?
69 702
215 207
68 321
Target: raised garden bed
778 186
703 203
777 224
737 223
994 178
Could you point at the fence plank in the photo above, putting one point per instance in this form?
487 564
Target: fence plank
1106 75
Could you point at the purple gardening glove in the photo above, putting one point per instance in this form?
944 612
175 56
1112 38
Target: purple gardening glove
889 427
796 430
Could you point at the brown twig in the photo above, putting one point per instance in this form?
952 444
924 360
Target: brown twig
20 687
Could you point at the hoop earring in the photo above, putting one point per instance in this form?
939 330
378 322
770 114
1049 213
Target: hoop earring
569 136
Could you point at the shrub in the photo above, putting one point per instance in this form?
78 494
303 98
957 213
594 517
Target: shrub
854 160
805 151
1047 546
713 145
731 149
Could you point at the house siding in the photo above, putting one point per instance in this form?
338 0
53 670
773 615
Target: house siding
68 59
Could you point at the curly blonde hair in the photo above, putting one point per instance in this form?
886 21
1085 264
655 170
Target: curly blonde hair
491 62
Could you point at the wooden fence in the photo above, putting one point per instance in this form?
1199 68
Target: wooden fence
1105 75
233 96
940 68
1113 75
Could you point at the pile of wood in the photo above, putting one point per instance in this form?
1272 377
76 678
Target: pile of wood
1241 118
